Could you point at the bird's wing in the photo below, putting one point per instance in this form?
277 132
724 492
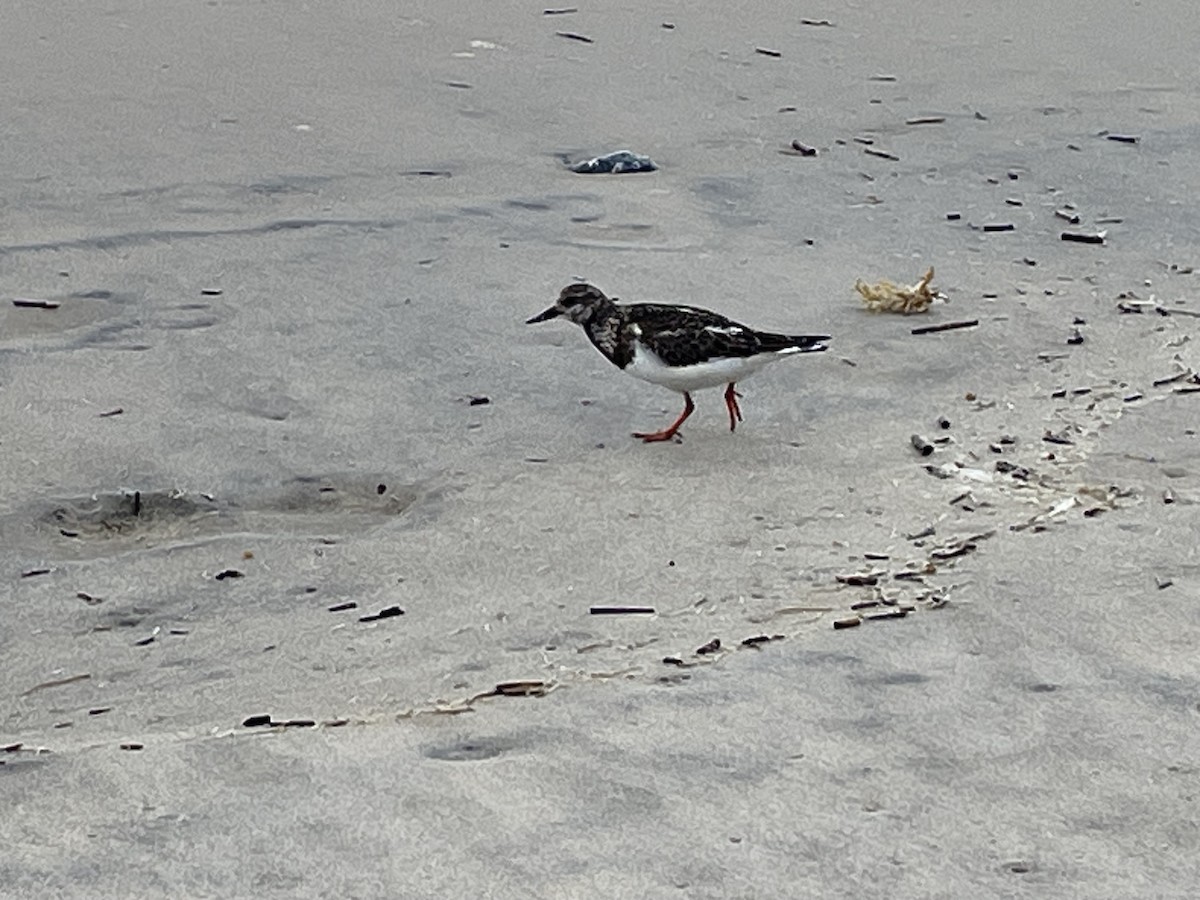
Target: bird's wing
682 334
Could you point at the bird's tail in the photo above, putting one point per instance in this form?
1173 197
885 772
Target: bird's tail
804 343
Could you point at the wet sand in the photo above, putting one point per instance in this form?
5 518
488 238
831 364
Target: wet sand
290 247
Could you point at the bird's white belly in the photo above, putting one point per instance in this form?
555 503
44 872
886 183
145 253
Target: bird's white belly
712 373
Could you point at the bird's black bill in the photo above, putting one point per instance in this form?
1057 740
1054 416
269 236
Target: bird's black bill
543 316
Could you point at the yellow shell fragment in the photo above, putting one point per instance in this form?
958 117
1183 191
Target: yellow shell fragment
888 297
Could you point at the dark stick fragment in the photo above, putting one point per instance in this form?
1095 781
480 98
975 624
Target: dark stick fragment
561 11
137 503
882 154
34 572
861 579
228 573
296 723
1051 438
865 604
921 445
804 149
768 52
1082 237
899 613
621 610
89 599
953 216
131 745
257 721
711 647
342 607
925 120
761 639
573 36
851 622
110 413
993 227
388 612
479 401
816 23
1067 216
946 326
1123 138
1171 379
27 303
1076 337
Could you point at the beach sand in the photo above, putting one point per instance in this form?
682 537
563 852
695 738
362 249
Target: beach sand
293 249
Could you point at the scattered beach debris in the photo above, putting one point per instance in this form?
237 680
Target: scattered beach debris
58 682
1068 215
560 11
899 613
112 412
849 622
766 51
925 120
30 303
1084 237
886 296
759 639
575 36
131 745
804 149
993 227
946 326
711 647
388 612
33 573
882 154
342 607
921 445
224 574
619 162
1121 138
265 720
478 401
621 611
817 23
861 579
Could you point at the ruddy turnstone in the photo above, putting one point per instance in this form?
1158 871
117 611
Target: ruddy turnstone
683 348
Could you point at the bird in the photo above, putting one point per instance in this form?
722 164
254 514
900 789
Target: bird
684 348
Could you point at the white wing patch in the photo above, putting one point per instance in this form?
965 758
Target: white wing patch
725 329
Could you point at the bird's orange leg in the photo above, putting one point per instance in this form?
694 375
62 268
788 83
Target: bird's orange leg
731 403
667 433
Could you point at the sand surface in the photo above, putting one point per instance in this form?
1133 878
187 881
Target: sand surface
290 243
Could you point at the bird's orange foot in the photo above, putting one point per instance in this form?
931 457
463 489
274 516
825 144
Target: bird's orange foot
651 437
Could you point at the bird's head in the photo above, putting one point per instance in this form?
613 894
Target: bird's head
578 302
